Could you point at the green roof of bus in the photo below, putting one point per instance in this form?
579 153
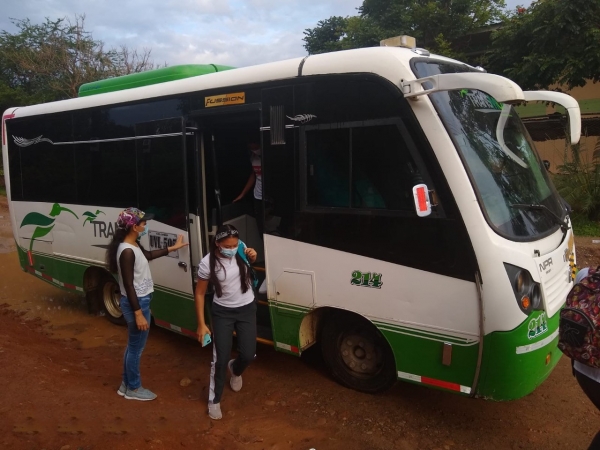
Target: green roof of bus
148 78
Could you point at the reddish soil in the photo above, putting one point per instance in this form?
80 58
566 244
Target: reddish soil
60 368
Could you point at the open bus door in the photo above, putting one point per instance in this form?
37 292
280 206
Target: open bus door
223 169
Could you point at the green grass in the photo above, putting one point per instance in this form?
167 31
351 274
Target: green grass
583 226
2 191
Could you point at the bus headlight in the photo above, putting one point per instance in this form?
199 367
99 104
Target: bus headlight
527 292
521 285
536 297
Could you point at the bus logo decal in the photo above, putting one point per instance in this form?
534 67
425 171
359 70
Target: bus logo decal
90 216
545 264
44 224
22 142
366 279
302 118
225 99
537 326
102 229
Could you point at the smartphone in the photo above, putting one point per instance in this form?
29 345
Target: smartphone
206 340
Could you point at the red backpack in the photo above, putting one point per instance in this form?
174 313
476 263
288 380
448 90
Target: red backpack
579 325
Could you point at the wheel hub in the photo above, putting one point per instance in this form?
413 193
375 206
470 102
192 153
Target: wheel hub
359 354
112 297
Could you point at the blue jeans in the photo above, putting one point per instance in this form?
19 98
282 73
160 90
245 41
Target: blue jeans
136 341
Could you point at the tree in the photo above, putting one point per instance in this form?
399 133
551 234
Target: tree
434 23
552 42
50 61
326 36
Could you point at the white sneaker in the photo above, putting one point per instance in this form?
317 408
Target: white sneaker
235 382
214 411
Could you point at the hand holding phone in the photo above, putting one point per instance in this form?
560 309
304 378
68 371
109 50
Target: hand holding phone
206 340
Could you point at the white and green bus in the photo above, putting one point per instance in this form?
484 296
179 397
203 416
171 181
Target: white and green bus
410 227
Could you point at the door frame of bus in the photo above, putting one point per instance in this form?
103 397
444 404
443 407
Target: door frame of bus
197 116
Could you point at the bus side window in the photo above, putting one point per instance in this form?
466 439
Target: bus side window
366 167
328 168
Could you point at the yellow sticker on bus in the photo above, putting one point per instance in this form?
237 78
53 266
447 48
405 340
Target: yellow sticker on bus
225 99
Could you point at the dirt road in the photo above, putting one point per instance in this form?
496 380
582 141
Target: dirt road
60 368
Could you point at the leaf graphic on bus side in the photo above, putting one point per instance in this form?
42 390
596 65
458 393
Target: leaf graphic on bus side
57 209
41 232
35 218
90 216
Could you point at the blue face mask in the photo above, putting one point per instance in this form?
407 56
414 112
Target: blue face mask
143 233
228 252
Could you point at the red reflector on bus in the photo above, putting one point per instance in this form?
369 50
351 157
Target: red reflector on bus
422 199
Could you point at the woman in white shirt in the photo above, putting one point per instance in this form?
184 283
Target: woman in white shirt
233 308
126 256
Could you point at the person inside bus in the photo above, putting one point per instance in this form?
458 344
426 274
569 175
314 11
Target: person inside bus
255 180
233 308
126 256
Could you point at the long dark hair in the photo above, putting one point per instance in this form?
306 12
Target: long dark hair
111 251
229 231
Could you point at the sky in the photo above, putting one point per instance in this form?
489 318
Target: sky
231 32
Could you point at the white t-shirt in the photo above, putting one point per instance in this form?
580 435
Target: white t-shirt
257 168
142 278
232 297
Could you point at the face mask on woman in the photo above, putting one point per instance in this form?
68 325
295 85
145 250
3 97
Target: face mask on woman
228 252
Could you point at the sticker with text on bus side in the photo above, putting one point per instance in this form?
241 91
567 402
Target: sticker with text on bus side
366 279
537 326
225 99
160 239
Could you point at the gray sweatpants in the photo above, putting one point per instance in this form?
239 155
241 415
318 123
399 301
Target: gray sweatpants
224 322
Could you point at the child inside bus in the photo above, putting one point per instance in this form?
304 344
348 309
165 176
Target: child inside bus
255 180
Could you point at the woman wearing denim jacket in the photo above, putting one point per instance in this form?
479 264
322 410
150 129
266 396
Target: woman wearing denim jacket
126 256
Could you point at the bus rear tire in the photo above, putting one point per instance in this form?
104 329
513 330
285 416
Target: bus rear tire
110 296
357 354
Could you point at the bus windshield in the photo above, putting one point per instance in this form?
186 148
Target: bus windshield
500 158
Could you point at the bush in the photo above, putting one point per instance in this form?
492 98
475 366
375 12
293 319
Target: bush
583 226
578 179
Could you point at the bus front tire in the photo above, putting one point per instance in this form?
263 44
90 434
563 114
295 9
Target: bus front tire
357 354
110 296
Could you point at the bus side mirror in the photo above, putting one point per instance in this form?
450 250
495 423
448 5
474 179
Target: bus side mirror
422 201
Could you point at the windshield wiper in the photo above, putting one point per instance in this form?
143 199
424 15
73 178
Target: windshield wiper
533 207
